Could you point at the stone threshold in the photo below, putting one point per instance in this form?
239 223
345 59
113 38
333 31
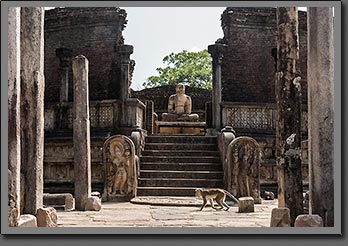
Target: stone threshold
172 201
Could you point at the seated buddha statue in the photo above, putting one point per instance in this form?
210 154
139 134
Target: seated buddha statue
179 106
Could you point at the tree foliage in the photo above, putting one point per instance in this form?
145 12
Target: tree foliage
190 68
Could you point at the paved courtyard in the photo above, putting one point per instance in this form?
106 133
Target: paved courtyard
166 212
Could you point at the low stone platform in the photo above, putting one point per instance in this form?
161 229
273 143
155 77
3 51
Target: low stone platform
181 127
172 201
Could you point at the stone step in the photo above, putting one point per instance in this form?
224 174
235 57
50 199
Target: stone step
180 166
166 191
177 139
176 153
180 146
170 182
181 159
181 174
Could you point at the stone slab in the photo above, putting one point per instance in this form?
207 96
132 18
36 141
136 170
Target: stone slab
27 220
93 203
46 217
246 205
184 127
280 217
306 220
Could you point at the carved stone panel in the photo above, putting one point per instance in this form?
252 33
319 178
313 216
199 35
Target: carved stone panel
243 157
120 179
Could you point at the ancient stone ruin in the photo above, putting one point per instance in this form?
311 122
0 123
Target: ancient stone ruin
76 129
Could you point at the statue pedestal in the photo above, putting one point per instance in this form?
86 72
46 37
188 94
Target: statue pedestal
181 127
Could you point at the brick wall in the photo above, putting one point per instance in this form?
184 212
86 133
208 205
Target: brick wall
95 33
248 65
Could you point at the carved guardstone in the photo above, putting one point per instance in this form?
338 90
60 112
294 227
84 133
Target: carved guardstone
243 158
120 179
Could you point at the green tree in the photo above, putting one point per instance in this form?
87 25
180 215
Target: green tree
191 68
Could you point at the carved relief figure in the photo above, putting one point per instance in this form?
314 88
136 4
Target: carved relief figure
120 167
244 159
179 106
120 179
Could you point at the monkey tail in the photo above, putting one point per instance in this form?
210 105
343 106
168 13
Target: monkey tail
231 196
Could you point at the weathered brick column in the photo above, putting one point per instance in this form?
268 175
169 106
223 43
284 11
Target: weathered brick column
64 56
14 148
321 113
216 50
81 129
288 126
32 106
125 52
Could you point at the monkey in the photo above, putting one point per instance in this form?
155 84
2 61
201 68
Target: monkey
214 193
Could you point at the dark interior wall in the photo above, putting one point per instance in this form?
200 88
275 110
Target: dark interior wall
95 33
248 65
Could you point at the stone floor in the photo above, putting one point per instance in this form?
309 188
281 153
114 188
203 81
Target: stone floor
166 212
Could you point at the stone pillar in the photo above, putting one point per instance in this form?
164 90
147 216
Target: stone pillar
321 113
14 148
288 126
150 109
64 56
81 128
227 135
125 51
216 50
32 106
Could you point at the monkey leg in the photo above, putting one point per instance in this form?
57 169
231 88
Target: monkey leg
212 203
227 207
220 199
204 204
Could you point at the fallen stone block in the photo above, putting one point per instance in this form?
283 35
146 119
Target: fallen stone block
27 220
46 217
280 217
59 201
308 220
93 203
246 205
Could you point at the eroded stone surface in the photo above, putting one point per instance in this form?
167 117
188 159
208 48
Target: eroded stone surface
120 168
62 200
246 205
135 215
81 132
14 157
93 204
32 106
280 217
307 220
27 220
321 111
288 93
46 217
243 158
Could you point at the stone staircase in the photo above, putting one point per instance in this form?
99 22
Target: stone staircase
175 165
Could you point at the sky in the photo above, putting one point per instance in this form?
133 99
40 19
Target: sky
157 31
